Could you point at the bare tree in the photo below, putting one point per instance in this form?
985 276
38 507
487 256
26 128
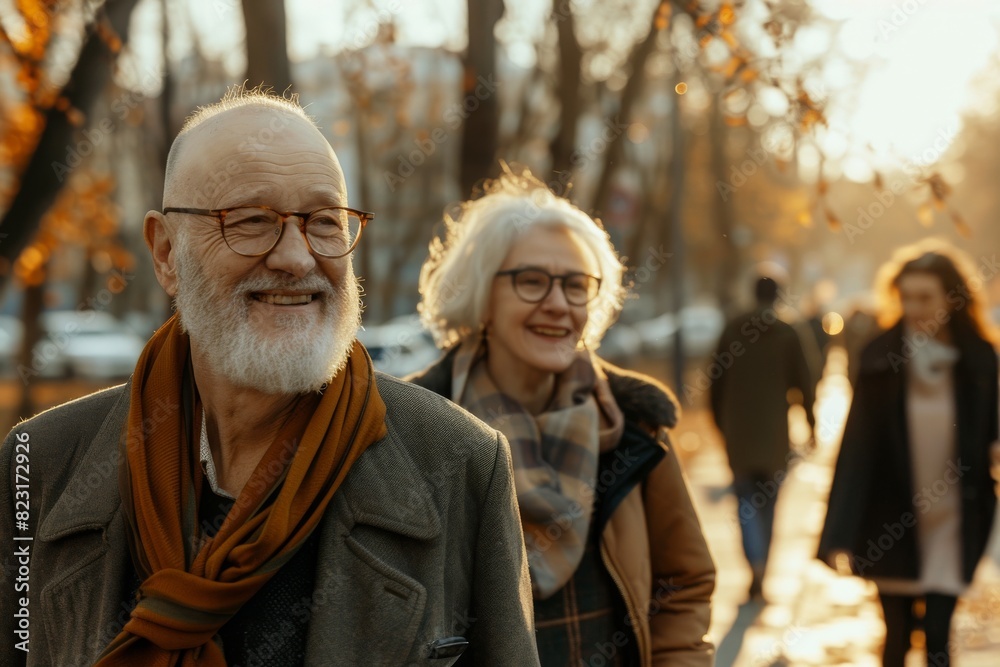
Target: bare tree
479 133
267 51
40 181
568 90
723 206
637 66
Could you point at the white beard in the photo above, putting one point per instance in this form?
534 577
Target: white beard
300 357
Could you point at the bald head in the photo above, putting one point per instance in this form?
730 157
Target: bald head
229 136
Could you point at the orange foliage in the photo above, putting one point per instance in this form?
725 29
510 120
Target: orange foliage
662 19
23 121
939 193
727 15
37 15
960 226
810 114
84 215
925 214
108 35
831 219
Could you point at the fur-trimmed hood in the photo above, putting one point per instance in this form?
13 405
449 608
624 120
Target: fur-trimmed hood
643 400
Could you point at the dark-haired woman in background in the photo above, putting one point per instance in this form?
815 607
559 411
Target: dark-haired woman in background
912 500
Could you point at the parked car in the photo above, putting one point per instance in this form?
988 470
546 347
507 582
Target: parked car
84 343
399 346
701 326
11 333
621 344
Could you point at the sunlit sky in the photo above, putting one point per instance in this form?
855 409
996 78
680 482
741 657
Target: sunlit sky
923 57
919 58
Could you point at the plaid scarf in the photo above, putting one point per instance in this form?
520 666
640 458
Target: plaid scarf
192 585
554 453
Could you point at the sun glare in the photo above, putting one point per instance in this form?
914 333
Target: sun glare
922 58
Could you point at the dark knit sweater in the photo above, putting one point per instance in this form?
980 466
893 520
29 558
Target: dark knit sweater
271 628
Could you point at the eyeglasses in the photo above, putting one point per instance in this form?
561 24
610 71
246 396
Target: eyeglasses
253 231
533 285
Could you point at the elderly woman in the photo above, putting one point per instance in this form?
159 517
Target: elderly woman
912 501
520 293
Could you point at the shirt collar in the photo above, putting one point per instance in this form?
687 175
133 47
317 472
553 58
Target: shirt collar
208 464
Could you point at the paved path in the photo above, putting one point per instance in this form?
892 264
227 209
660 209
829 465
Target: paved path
813 617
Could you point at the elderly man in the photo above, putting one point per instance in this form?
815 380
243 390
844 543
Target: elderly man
256 494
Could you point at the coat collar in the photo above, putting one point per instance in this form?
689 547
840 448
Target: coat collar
380 489
642 399
90 500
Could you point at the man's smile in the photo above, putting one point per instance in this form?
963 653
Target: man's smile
283 299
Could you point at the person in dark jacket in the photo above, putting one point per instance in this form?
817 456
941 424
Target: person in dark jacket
758 362
912 500
520 293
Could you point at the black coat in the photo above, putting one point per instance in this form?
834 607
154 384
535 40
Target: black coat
872 498
758 360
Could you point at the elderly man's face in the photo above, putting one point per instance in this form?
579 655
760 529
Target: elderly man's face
283 322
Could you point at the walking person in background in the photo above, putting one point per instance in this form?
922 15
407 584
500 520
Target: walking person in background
520 292
750 401
912 500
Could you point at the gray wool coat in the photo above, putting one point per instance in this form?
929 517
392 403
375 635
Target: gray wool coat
421 543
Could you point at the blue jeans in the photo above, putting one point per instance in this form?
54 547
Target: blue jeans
756 495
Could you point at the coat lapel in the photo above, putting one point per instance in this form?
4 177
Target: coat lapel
365 609
82 540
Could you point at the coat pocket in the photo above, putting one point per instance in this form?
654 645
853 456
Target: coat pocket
374 613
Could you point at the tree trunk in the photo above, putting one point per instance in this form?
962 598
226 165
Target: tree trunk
613 152
480 105
723 208
570 61
267 51
31 309
678 171
43 178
